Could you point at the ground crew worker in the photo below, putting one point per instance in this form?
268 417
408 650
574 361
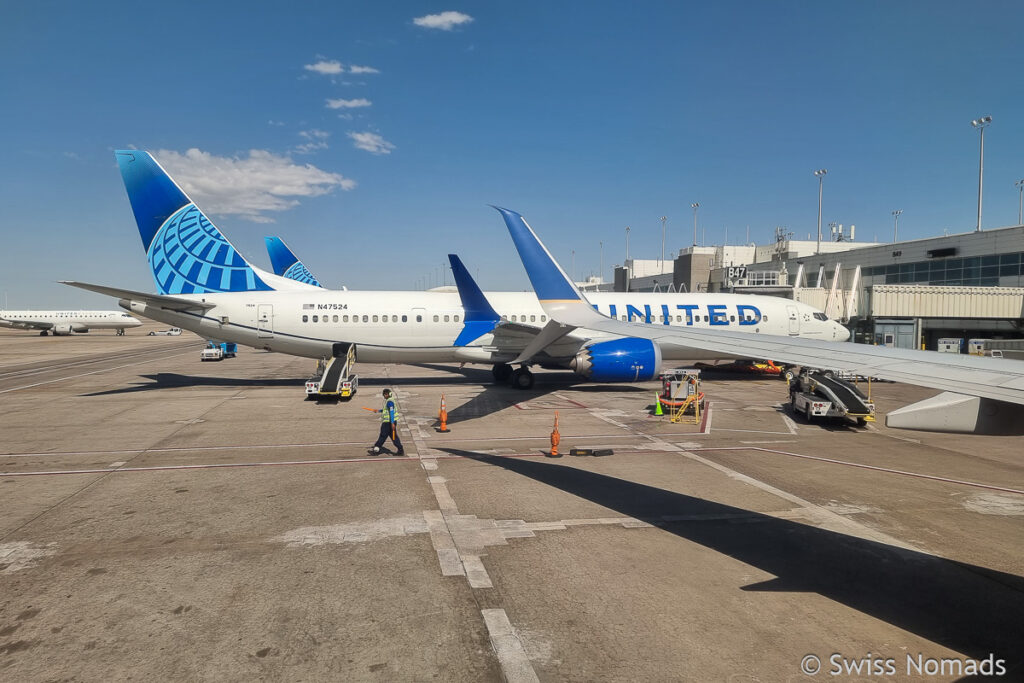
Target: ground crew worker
388 424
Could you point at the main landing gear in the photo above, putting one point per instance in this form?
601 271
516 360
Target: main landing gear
520 378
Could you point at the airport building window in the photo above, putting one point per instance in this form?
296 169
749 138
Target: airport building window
305 318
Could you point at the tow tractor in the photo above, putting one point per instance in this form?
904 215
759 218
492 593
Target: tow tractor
334 377
218 351
818 393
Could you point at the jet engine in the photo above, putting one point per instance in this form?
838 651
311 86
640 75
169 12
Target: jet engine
620 360
68 328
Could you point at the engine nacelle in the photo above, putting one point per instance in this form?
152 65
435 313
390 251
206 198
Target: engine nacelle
62 329
620 360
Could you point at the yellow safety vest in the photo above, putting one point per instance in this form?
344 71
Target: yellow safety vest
385 415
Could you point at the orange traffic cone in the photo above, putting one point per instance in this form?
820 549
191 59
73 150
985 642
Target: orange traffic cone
443 416
556 438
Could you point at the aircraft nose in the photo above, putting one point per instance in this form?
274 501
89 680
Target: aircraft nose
841 333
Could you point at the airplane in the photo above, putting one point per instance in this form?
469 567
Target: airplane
61 323
980 395
204 285
287 264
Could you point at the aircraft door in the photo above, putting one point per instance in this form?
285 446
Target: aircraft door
265 321
794 320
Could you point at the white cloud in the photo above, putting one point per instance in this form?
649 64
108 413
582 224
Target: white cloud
326 67
363 70
371 142
444 21
348 104
315 139
247 186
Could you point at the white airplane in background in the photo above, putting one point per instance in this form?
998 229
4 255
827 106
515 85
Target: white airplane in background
208 288
65 322
982 395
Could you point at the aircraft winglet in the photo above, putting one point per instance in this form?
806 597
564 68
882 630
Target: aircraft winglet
557 293
480 316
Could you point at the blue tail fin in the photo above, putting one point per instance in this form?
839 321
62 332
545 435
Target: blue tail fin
187 253
287 264
481 317
549 280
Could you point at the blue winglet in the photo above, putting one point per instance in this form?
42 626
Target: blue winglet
286 264
549 280
481 317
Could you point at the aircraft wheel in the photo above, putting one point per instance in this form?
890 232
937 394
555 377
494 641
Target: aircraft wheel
522 379
43 333
502 372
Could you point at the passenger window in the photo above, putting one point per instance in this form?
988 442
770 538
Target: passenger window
366 318
706 319
732 318
419 318
374 318
533 318
456 318
543 318
305 318
446 318
514 319
316 318
394 318
436 318
764 318
504 318
405 318
623 317
344 318
679 318
326 318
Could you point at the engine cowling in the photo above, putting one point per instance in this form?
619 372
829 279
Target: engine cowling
62 329
620 360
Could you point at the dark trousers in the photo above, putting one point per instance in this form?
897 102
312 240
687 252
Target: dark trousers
385 434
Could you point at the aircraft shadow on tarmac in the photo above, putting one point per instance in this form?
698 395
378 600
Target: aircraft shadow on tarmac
172 380
972 610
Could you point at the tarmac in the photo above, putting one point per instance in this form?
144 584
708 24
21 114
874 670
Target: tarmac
162 518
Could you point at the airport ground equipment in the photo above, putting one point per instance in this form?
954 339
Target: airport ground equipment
680 392
747 367
335 378
815 393
950 345
218 351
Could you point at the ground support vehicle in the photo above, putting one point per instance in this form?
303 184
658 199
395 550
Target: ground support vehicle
816 393
334 378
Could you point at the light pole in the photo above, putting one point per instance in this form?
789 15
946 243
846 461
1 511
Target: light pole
695 206
663 219
981 124
820 174
601 247
625 264
1020 207
896 225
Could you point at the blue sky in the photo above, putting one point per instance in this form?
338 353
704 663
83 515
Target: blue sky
372 136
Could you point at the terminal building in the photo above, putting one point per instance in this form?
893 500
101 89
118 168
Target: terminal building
906 294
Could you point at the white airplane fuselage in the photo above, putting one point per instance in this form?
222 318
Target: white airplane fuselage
411 327
66 322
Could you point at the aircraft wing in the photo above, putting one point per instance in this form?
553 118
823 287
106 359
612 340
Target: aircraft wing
171 303
996 379
26 324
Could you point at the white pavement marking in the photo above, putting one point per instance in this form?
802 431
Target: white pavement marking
94 372
354 532
17 555
790 425
515 665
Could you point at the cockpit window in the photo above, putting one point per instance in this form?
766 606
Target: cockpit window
820 316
